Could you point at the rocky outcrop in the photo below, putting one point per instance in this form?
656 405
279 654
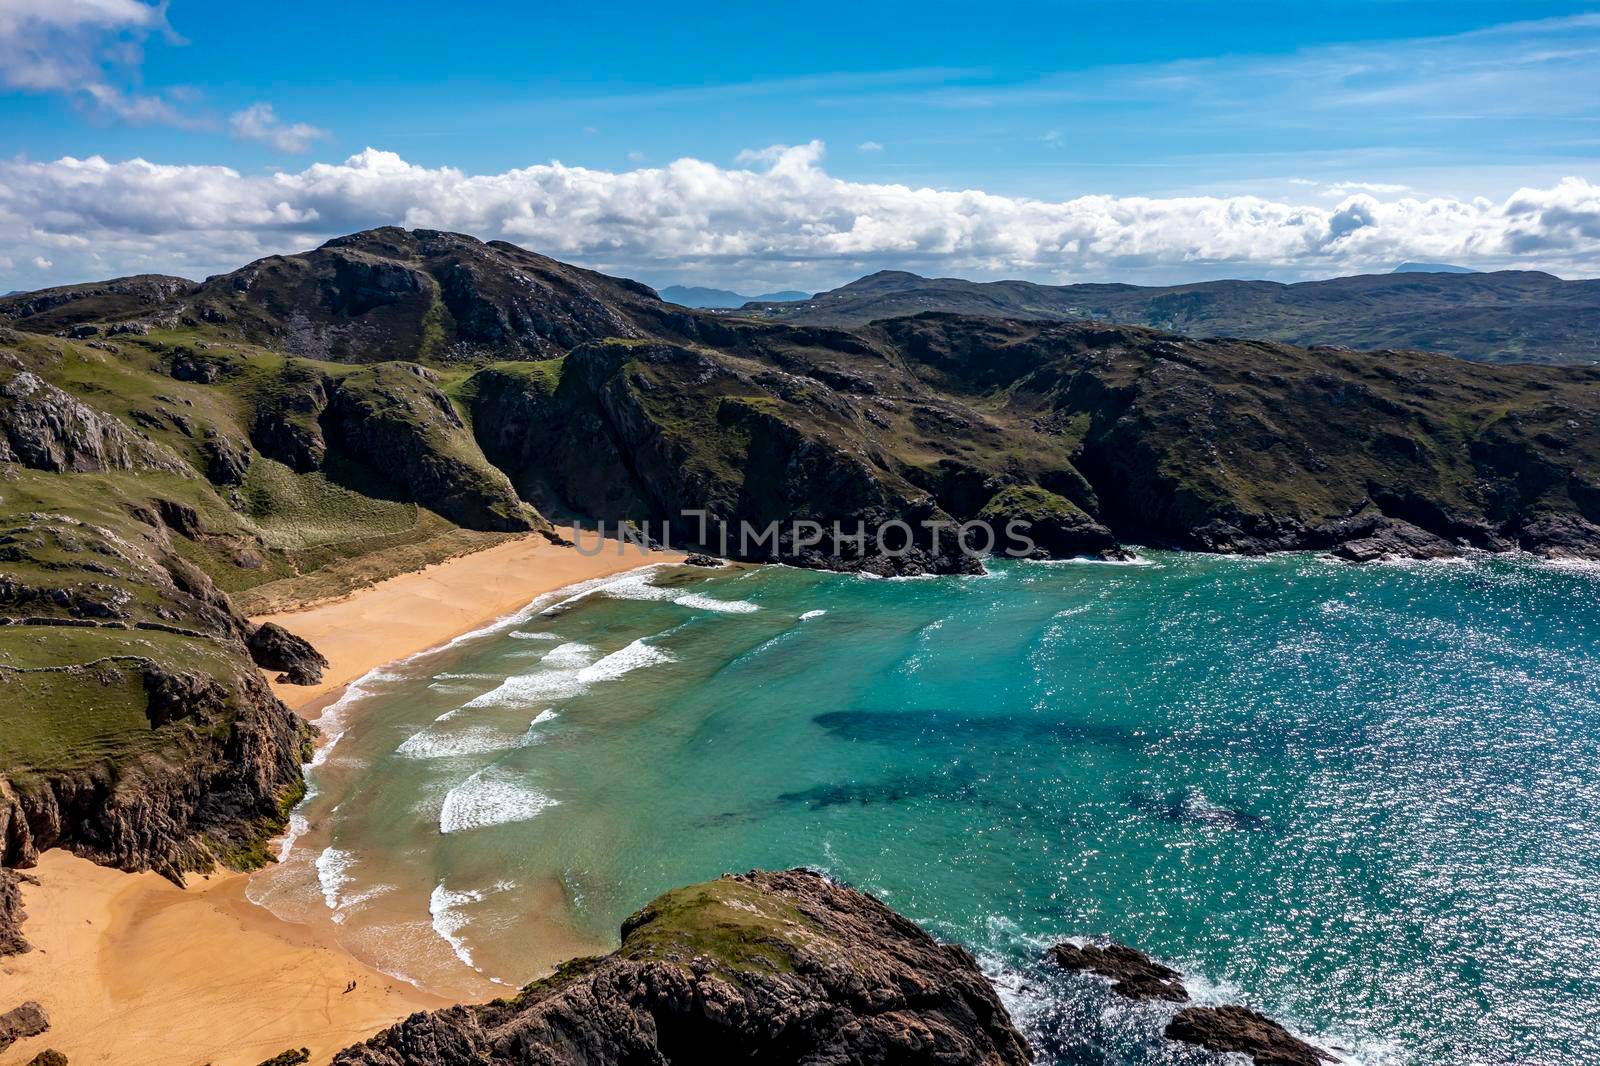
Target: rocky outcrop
192 763
44 428
1393 539
1241 1031
211 792
1055 526
12 941
287 425
394 419
761 967
65 306
275 648
19 1023
1133 974
1230 1029
752 465
48 1057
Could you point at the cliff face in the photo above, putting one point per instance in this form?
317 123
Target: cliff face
1090 434
137 730
761 967
215 786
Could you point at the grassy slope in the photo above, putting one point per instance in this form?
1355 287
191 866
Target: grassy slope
293 536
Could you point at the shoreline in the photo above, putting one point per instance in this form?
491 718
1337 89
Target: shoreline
414 612
131 969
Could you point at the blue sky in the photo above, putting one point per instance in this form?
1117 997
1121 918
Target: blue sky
1299 105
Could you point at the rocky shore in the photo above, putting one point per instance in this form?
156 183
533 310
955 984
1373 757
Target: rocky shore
761 967
789 967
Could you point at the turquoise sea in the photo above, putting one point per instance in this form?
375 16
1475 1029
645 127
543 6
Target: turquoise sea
1365 800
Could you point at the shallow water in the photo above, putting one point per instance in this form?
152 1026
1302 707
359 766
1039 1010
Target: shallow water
1364 800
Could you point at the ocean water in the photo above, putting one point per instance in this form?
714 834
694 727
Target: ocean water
1363 800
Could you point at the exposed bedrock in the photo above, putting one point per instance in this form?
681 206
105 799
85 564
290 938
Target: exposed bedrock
760 967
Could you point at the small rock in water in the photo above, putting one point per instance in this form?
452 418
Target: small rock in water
1134 975
697 559
1242 1031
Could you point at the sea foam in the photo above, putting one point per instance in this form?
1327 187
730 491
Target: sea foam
447 909
435 744
492 796
574 670
706 603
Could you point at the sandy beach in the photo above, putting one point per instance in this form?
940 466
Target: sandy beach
417 611
133 970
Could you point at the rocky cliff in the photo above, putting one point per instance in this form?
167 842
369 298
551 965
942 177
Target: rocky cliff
137 729
1091 435
760 967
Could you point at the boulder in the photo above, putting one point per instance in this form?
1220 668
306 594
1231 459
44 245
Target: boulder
1390 538
1134 975
275 648
1241 1031
19 1023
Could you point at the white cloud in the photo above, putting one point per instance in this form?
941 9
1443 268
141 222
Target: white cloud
637 157
41 263
779 213
1345 188
80 47
259 122
869 146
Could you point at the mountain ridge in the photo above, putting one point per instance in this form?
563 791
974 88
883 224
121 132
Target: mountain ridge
699 296
1502 316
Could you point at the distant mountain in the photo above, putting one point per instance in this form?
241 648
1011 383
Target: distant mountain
698 296
1500 317
1431 268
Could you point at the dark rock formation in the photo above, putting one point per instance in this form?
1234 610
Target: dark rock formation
697 559
761 967
287 423
292 1057
1133 974
1393 539
390 293
44 428
49 1057
275 648
205 777
199 800
62 307
12 941
1241 1031
19 1023
227 458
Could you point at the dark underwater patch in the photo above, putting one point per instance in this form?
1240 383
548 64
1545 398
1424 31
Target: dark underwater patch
918 726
